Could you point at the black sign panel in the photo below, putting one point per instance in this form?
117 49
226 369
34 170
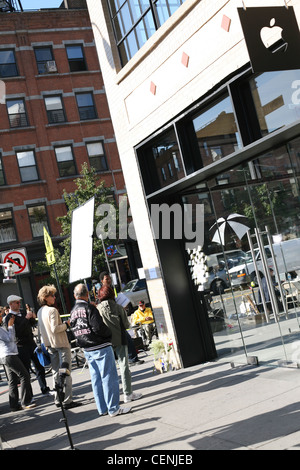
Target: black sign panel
259 24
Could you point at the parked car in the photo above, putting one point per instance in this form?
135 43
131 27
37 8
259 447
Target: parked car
287 255
135 291
218 279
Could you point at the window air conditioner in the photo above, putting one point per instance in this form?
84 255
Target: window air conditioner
51 66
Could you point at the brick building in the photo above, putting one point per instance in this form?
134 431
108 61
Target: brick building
55 118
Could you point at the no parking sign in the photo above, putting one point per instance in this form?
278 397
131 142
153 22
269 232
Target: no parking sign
18 259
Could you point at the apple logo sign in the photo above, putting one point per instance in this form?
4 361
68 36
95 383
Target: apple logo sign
271 35
272 38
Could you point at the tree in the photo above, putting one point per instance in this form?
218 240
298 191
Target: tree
88 185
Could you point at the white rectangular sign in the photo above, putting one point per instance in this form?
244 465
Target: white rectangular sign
82 229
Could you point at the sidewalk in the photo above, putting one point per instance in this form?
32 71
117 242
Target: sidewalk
205 407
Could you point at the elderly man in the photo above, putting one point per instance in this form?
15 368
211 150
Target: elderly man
94 337
24 322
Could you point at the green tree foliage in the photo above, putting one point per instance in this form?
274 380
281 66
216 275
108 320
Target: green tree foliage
88 185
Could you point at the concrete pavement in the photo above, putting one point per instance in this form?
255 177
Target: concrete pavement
205 407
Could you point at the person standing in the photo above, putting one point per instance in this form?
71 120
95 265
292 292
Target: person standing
15 369
133 358
55 339
24 323
115 318
94 337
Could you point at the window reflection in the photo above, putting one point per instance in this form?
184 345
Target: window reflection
167 159
216 132
136 21
276 99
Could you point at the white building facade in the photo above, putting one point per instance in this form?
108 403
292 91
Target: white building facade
195 125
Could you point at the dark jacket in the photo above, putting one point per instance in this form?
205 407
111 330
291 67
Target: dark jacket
23 329
88 327
114 316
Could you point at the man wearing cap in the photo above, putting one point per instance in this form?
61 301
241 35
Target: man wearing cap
24 322
144 316
15 369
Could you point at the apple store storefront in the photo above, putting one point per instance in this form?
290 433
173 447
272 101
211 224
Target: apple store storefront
237 152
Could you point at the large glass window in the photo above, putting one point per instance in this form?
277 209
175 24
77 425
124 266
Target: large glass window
276 97
216 132
161 162
27 166
8 66
16 113
65 161
136 21
7 229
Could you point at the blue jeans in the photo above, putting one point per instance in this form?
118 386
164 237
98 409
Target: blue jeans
105 380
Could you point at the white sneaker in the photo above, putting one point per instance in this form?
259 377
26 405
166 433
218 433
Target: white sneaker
121 411
29 407
132 397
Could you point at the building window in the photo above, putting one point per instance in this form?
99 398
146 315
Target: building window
135 21
8 66
276 99
96 156
2 176
38 220
76 58
27 166
7 229
55 109
16 113
86 106
216 132
43 56
65 161
161 162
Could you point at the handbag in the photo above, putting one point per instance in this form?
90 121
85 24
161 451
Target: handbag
43 355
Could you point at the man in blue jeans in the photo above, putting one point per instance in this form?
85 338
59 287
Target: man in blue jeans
94 337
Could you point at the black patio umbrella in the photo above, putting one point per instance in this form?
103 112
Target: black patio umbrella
233 224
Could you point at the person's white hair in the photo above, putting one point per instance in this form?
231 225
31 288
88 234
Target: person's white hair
80 291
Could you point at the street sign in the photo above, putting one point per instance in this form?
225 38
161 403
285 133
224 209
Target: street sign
18 259
49 248
50 258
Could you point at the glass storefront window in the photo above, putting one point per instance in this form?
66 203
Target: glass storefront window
276 97
268 197
216 132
